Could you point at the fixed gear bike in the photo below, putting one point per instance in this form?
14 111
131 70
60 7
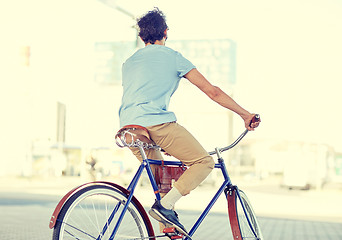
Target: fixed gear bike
105 210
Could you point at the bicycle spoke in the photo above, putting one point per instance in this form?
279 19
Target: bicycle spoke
72 235
110 218
79 230
93 212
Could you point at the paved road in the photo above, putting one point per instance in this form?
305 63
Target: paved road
25 213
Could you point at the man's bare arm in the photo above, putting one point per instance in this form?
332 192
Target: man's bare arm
219 96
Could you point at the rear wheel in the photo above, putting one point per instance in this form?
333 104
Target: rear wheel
89 211
242 218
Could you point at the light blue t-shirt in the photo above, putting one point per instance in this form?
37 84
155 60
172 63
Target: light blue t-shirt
149 79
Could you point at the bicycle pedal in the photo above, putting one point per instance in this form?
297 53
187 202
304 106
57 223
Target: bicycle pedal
169 230
172 233
177 236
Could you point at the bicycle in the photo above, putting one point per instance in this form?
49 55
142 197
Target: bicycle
105 210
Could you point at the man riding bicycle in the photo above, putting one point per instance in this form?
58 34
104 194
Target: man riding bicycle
149 78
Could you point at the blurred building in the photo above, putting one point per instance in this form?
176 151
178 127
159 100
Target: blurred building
60 95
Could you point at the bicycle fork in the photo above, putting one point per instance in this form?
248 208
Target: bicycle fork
233 189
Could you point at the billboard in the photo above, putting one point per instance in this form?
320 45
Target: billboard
215 59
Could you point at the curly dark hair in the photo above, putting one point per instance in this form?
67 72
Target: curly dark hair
152 26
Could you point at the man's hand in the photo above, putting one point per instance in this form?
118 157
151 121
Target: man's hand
251 122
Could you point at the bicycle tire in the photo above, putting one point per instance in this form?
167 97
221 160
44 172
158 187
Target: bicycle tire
85 213
243 221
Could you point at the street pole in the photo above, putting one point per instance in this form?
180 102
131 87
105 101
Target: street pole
114 5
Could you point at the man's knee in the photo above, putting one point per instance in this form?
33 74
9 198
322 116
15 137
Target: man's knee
208 161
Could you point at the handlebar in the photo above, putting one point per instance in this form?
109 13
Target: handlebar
256 118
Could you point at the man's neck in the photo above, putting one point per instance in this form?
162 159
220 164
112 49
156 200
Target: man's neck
158 42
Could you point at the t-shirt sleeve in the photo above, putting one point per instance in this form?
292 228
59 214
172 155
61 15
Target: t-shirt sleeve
183 65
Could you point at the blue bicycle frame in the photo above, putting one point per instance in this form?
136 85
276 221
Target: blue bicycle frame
146 165
227 184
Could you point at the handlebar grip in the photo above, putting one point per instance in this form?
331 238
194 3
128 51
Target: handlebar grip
256 118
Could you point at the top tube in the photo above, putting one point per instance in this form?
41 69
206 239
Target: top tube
165 162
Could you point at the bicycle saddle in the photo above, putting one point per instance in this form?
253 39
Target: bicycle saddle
134 136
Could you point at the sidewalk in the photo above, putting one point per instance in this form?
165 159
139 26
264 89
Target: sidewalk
267 198
308 215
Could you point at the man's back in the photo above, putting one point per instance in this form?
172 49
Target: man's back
149 78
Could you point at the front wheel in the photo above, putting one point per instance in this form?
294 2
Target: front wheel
92 213
242 218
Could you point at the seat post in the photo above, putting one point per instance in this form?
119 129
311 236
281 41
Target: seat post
142 152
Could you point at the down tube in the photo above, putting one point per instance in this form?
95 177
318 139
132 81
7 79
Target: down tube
206 211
